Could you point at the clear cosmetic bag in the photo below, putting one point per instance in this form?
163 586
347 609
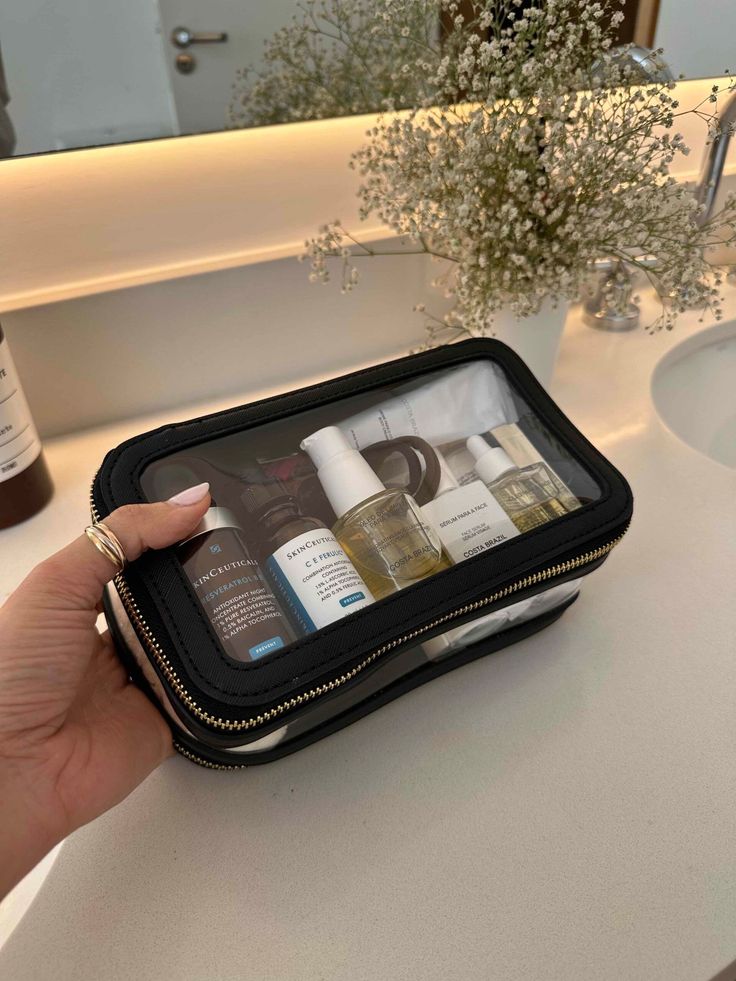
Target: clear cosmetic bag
365 535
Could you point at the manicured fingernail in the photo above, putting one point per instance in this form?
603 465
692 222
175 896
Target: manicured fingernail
192 495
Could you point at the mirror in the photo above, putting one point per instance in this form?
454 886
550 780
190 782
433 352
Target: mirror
82 73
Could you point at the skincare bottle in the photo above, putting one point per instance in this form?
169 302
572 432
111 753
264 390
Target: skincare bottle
382 530
230 585
524 494
303 560
460 461
468 519
523 453
25 484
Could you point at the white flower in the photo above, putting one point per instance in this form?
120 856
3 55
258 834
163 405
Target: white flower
527 155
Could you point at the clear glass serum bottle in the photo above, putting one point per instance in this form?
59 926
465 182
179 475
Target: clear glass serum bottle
523 453
381 529
526 494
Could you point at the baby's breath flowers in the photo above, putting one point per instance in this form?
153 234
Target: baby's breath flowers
340 58
529 153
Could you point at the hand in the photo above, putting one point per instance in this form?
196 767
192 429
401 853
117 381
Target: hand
75 735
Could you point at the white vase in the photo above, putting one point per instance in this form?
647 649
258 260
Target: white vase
536 339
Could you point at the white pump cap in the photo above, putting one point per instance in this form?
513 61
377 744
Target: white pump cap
491 462
346 477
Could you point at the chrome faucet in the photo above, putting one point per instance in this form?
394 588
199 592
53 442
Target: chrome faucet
706 190
611 306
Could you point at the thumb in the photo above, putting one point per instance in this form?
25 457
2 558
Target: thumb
80 571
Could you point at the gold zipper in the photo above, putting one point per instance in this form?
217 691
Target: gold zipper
201 761
549 573
230 725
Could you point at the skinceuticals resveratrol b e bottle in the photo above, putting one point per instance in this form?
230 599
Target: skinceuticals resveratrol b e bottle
244 612
382 529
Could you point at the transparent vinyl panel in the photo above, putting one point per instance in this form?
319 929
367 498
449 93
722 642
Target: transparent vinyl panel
318 515
407 662
400 666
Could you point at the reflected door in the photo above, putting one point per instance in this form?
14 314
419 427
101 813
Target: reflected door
81 74
202 65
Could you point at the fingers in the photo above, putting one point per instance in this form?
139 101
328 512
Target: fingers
80 571
143 526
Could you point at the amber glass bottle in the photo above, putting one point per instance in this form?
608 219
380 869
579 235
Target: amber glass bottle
309 570
25 484
242 608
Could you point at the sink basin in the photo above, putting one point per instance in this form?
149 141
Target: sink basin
694 392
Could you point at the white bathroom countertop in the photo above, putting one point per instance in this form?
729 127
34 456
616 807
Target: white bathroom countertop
563 810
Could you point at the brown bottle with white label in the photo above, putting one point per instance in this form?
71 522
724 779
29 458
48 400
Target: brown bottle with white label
229 583
25 484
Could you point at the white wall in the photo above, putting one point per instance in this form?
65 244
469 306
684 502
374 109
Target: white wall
78 223
99 358
84 72
699 38
90 221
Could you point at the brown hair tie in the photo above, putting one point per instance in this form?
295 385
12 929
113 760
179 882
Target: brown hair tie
423 482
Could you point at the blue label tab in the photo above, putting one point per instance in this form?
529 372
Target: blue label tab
266 646
294 604
352 598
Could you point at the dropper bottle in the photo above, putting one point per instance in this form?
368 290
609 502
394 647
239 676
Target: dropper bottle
511 438
525 495
306 565
244 612
382 529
